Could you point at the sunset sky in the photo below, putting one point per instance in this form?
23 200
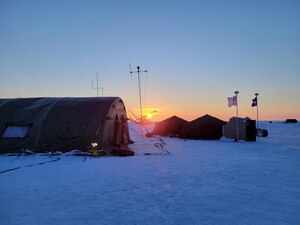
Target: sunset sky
197 53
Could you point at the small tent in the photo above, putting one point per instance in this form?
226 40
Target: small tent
246 131
52 124
206 128
169 127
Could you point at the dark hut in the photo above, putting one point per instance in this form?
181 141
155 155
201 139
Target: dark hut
290 121
206 128
169 127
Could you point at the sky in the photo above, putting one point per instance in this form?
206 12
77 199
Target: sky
197 54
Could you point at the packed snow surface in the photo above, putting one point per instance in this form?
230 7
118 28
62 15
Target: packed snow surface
199 182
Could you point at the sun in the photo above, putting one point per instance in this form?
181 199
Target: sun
149 116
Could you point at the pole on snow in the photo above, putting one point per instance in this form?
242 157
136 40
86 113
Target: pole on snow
256 95
237 115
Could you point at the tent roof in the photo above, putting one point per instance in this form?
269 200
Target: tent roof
57 99
49 105
207 119
173 119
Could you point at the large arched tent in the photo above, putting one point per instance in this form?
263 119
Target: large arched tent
205 128
51 124
169 127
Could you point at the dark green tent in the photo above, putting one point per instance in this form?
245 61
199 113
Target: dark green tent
205 128
169 127
51 124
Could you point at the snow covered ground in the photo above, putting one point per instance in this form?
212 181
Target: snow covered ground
199 182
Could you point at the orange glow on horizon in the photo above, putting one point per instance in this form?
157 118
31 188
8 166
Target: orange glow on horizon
189 112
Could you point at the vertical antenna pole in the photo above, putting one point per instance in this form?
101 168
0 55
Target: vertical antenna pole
97 86
140 97
139 71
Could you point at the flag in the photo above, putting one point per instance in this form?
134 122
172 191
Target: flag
254 102
232 101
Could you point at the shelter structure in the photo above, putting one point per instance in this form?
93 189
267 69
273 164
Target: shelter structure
169 127
291 121
62 124
206 128
247 129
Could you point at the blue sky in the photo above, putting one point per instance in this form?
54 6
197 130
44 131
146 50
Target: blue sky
197 53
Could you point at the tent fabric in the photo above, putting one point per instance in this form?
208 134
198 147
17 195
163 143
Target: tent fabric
169 127
205 128
63 123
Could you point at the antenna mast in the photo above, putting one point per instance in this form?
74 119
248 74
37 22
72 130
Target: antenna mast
139 71
97 87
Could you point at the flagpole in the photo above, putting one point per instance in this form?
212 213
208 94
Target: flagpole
256 94
237 116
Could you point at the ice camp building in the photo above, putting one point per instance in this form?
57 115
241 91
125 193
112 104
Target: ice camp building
246 129
62 124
